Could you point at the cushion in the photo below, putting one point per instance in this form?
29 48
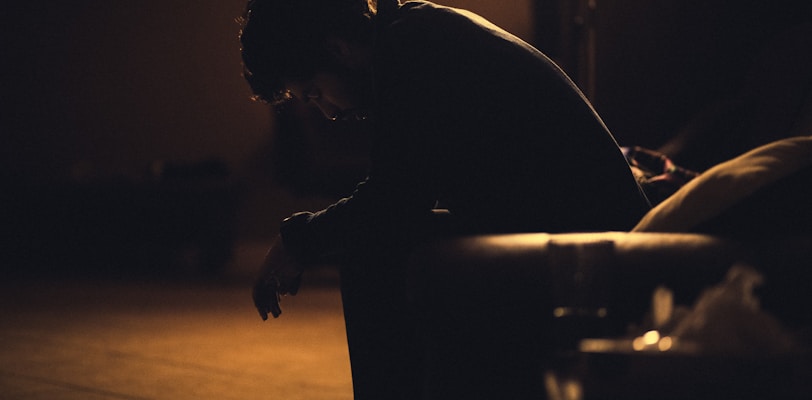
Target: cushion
726 185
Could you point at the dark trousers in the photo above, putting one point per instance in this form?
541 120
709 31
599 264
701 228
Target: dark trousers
408 350
385 355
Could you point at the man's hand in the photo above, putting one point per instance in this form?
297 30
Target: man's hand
281 275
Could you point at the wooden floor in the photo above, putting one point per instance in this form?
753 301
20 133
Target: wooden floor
93 340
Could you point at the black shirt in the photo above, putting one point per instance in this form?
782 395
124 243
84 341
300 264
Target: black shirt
473 119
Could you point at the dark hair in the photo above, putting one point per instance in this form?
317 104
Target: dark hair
285 39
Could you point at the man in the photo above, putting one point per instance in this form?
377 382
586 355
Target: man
467 118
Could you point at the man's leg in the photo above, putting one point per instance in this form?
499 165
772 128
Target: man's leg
384 353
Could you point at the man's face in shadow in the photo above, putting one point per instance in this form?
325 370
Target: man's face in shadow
337 95
344 91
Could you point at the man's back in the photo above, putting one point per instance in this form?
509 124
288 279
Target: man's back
494 129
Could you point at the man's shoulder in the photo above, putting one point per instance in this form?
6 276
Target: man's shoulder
419 6
418 14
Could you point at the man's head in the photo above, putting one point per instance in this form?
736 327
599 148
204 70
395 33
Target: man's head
287 43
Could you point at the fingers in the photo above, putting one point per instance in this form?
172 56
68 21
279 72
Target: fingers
260 302
266 299
275 309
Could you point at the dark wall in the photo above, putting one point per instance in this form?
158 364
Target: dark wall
93 87
660 63
123 126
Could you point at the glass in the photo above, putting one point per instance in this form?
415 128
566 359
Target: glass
580 279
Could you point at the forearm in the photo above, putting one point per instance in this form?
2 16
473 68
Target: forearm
373 215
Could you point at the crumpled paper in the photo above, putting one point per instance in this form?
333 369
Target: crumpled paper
726 319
